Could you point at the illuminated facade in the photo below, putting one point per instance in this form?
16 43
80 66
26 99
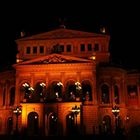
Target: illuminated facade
64 85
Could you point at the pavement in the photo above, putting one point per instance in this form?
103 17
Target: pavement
80 137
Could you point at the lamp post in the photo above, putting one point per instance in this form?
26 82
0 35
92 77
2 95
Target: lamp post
115 111
17 111
127 119
75 110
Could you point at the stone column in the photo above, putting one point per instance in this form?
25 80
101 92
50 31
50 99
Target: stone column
63 81
17 90
138 87
94 91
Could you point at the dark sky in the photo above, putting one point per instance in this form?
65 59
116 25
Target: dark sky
121 20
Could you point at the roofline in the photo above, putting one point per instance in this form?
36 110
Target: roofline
94 35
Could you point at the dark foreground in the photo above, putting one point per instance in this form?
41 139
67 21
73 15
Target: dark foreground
84 137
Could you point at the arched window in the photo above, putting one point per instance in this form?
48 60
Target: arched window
116 94
86 91
33 123
54 91
132 91
38 92
71 91
25 92
12 96
10 125
105 94
132 95
57 89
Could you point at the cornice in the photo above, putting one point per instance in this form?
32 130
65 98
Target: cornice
56 67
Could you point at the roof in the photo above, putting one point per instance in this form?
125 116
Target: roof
61 33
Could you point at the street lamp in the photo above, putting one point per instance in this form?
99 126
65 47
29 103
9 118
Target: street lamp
17 111
115 111
75 110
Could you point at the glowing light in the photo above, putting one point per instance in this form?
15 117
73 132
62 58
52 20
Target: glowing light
25 85
93 57
17 111
78 85
17 60
127 118
59 84
103 30
75 110
57 94
42 84
31 89
115 110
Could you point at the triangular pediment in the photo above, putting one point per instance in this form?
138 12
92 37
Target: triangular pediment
54 59
61 33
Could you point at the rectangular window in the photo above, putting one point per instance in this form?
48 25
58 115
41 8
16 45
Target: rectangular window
82 47
132 91
41 49
68 48
35 49
96 47
89 47
61 48
28 50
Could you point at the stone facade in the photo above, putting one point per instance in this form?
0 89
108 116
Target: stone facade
64 84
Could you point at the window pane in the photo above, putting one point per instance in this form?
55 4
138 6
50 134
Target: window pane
68 48
96 47
132 91
116 94
82 47
28 50
34 49
89 47
105 94
41 49
12 96
61 48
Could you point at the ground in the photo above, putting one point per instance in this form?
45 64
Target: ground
85 137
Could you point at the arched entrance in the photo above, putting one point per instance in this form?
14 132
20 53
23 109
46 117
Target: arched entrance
106 123
33 123
70 126
52 124
10 125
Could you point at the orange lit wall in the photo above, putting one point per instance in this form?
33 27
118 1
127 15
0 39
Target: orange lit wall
74 66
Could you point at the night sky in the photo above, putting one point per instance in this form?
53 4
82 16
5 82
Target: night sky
120 19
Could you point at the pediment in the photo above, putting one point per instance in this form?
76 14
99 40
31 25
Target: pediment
54 59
